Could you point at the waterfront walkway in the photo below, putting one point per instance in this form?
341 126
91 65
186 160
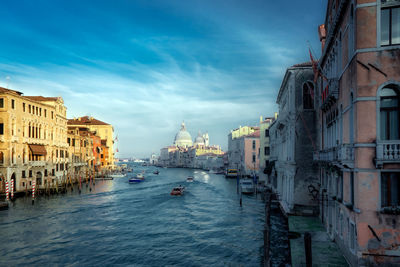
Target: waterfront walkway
324 251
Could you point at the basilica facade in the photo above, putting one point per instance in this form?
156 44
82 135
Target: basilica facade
186 153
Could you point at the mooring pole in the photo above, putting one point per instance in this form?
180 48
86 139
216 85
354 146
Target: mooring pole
308 250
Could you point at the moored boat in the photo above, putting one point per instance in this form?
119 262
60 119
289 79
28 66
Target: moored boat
247 186
117 175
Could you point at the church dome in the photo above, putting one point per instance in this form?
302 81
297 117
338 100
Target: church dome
183 137
199 140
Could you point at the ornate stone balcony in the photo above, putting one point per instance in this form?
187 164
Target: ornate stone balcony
342 154
40 163
387 151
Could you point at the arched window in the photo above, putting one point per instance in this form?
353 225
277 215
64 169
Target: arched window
389 113
308 91
1 158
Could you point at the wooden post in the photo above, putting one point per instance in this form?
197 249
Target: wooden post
267 229
308 250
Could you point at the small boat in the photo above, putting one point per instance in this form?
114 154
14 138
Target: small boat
190 179
156 172
140 176
247 186
117 175
177 191
135 180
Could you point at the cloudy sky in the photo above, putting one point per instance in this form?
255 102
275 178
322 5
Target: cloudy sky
145 66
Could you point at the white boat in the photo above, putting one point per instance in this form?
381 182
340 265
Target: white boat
140 176
190 179
117 175
247 186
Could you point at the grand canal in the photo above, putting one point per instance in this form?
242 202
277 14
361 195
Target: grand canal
117 223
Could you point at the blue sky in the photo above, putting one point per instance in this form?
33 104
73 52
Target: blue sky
145 66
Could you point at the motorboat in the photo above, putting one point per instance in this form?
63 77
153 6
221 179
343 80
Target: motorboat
135 180
247 186
117 175
231 173
139 176
190 179
177 191
156 172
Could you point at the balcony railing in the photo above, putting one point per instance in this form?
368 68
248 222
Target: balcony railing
40 163
342 154
387 152
330 93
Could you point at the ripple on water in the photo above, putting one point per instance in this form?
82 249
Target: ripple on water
118 223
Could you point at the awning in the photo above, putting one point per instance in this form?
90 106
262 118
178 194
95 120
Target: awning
38 150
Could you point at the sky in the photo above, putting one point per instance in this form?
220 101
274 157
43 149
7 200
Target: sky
145 66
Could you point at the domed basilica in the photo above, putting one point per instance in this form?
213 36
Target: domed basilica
184 139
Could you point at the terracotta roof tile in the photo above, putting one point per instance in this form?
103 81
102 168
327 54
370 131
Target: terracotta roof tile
86 120
41 98
5 90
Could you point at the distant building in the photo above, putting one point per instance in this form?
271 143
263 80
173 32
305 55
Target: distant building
188 154
292 142
153 159
243 150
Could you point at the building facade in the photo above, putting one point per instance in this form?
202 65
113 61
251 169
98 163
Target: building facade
244 149
264 148
292 141
359 133
106 133
33 141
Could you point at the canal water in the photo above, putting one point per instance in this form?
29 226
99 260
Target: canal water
117 223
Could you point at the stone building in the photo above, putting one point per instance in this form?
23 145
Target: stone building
264 147
106 133
292 141
359 129
33 140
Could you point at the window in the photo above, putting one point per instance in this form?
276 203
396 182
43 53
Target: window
266 132
1 102
353 237
23 174
389 113
29 108
308 92
30 173
266 151
390 25
352 188
254 144
1 128
45 113
254 158
1 157
390 189
12 103
23 107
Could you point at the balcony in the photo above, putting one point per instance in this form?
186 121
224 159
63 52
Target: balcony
330 94
342 154
387 151
40 163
